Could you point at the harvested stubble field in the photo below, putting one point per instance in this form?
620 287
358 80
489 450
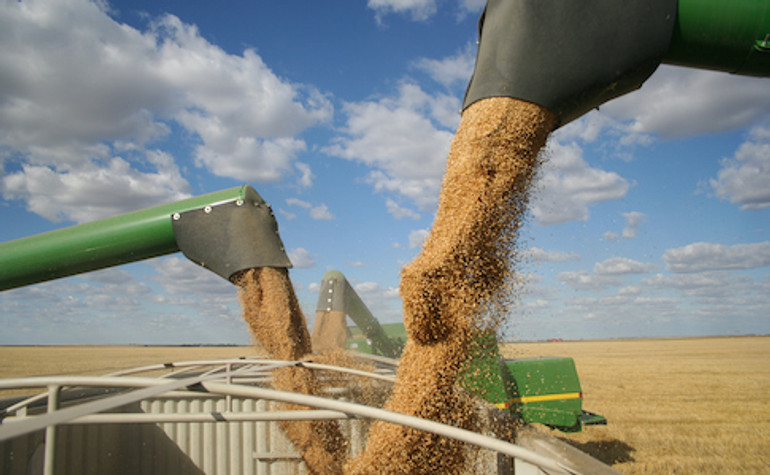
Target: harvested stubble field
674 406
25 361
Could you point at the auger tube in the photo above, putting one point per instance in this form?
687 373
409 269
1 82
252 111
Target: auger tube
336 294
571 57
724 35
225 232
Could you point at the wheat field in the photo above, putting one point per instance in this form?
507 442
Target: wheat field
24 361
674 406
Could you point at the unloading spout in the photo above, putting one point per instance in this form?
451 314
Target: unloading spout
225 232
336 299
572 56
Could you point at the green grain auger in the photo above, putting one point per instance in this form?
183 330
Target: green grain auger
225 231
572 56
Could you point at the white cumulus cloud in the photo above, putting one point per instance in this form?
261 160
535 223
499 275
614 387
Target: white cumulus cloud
404 139
583 280
319 212
398 211
417 238
181 277
472 6
621 265
715 287
419 10
745 178
92 191
541 255
87 99
633 220
680 102
706 256
301 258
452 70
568 185
306 174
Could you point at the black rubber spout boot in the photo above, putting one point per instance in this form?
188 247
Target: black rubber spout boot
569 56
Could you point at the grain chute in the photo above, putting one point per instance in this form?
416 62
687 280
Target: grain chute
571 57
225 231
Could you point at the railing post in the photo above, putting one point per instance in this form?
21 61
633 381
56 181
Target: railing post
50 431
229 380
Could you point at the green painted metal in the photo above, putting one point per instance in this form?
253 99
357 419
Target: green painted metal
337 294
104 243
483 373
358 341
536 381
725 35
544 390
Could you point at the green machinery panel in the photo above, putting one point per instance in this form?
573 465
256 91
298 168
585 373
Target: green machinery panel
543 390
360 343
546 390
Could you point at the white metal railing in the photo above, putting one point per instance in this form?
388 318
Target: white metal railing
224 380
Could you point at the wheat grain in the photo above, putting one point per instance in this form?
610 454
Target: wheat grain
458 284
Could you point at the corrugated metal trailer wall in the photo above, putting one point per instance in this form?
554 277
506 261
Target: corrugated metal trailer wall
221 448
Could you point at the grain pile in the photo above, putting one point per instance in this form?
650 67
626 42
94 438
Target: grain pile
275 319
457 285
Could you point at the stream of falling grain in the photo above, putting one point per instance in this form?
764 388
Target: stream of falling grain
457 286
458 283
271 310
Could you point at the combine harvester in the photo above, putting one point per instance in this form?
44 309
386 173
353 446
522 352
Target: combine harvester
216 416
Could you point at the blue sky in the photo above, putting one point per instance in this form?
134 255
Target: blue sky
650 217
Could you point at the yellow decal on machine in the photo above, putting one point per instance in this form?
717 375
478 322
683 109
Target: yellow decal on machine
539 398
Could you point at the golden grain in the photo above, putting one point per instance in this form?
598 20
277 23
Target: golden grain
458 283
276 321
